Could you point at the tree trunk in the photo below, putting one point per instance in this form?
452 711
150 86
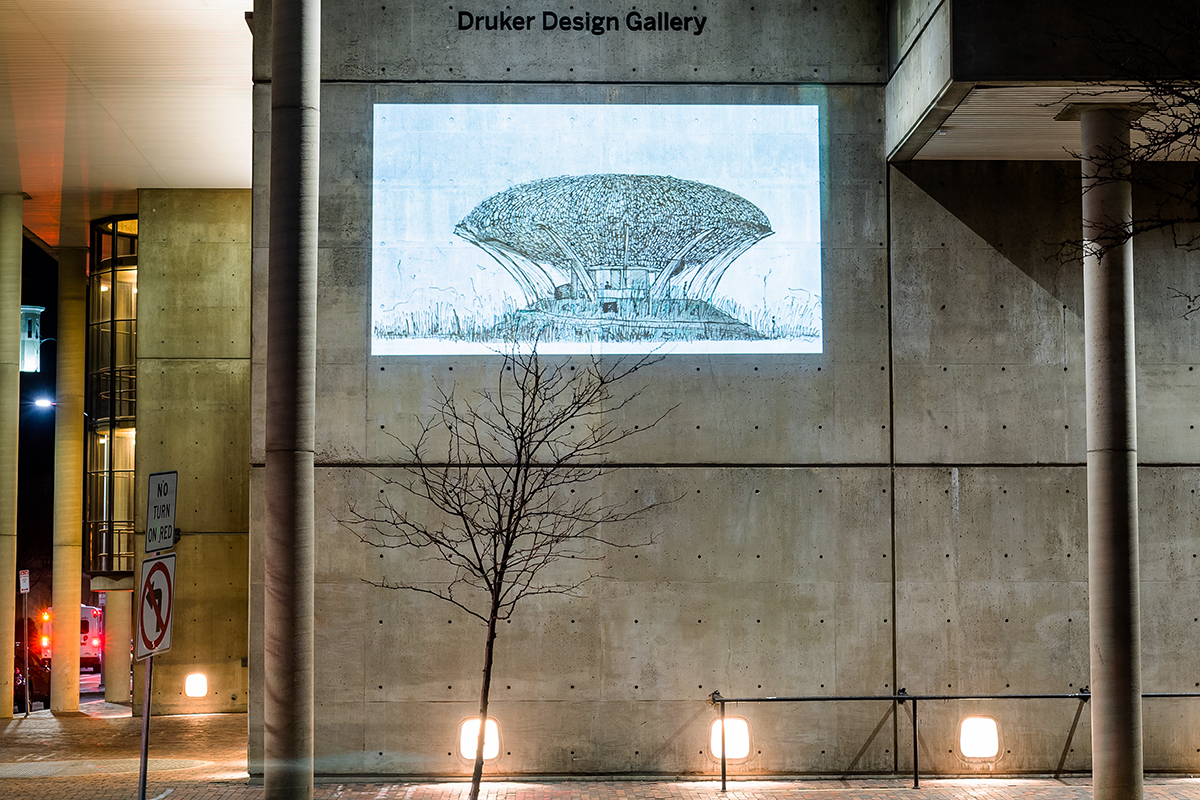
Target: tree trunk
477 775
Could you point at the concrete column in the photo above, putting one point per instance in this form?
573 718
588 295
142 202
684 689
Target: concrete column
67 578
11 240
1111 457
291 371
118 633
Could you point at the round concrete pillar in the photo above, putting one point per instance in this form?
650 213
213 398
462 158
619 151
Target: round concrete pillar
1113 598
118 633
291 395
67 579
11 240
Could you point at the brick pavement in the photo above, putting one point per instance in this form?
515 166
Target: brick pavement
203 757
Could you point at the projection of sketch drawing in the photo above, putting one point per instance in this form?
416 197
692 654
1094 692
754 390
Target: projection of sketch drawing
672 228
615 258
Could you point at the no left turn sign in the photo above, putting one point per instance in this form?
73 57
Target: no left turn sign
156 604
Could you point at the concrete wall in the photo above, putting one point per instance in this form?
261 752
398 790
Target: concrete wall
991 526
193 417
1029 40
904 509
922 90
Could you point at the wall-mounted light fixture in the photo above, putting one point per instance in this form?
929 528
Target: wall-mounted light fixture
195 685
979 738
737 738
468 736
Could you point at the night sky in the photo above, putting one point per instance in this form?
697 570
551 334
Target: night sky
35 471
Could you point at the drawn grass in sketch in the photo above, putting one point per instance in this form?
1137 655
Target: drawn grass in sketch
614 258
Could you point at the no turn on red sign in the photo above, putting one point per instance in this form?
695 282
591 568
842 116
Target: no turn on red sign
155 606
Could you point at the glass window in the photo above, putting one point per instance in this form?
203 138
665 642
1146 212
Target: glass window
111 400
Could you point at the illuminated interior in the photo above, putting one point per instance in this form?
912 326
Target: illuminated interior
979 737
195 685
111 398
737 738
468 736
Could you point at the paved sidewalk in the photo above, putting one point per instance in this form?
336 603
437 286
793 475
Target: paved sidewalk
95 757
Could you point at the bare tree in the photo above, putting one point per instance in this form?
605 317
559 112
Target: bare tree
1153 63
509 492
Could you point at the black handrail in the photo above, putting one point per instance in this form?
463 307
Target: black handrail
1083 695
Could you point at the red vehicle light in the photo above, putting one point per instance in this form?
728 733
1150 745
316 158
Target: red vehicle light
95 642
45 641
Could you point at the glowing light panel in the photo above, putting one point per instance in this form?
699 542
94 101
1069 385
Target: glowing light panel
468 736
596 228
737 738
195 685
979 737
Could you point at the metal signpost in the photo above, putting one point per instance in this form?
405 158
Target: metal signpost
156 593
156 607
25 633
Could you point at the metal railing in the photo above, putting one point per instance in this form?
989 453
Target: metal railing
902 697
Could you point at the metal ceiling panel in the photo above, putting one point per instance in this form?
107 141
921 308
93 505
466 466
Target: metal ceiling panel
99 99
1015 123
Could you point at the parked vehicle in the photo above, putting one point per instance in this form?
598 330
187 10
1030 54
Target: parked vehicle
91 636
38 678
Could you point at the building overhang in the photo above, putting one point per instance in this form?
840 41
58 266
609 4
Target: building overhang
990 80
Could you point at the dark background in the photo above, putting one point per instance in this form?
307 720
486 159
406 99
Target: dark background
35 465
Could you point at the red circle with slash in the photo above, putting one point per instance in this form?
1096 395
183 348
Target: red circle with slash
162 617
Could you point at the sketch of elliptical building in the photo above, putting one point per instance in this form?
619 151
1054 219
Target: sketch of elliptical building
617 257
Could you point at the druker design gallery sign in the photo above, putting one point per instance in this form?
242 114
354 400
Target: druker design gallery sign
595 24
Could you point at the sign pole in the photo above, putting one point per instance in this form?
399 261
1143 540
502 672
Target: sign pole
156 593
25 633
156 604
145 730
25 641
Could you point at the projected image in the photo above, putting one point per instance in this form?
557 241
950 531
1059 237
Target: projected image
596 228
